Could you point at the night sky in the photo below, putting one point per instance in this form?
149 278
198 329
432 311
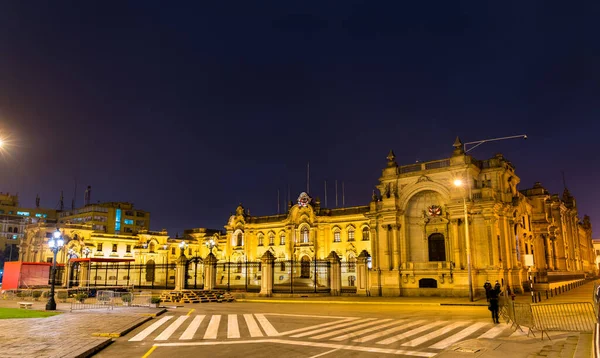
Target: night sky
188 110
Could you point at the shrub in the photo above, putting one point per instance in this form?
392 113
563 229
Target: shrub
80 297
155 299
126 298
37 294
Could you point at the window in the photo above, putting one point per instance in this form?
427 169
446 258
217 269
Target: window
240 239
114 248
151 247
128 222
128 248
271 239
365 234
140 214
23 213
260 240
351 234
304 235
129 213
282 266
282 239
99 246
190 251
336 236
118 220
351 264
172 251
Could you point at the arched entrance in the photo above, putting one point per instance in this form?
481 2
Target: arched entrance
305 267
437 247
150 270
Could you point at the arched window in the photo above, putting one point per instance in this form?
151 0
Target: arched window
351 263
365 234
437 247
304 235
151 247
240 240
351 234
271 239
260 239
336 236
282 239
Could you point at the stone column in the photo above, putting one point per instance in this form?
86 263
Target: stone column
455 243
335 275
395 248
210 272
180 272
403 241
362 274
266 282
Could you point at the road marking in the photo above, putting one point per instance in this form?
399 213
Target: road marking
306 316
431 335
458 336
213 327
252 326
149 352
367 330
190 312
192 328
410 333
145 333
326 335
266 325
387 332
233 329
300 343
325 353
169 331
341 325
317 326
492 333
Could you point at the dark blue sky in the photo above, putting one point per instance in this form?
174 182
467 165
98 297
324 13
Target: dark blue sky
187 110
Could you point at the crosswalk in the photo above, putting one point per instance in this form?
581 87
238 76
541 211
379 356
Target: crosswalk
414 333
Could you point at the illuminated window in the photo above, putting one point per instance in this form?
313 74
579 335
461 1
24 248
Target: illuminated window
100 246
128 248
351 234
272 239
114 248
38 215
336 236
304 235
240 239
365 234
118 220
282 239
128 222
23 213
260 240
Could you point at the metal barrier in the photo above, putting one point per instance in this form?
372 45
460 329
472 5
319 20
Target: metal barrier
571 317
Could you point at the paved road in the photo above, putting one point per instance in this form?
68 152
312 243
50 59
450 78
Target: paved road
306 330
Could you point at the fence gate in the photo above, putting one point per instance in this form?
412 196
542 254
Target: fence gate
304 276
195 273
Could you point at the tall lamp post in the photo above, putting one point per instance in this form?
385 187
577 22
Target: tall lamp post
183 245
459 183
86 251
55 243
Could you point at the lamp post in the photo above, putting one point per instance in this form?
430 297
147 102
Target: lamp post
210 244
86 251
55 243
459 183
183 245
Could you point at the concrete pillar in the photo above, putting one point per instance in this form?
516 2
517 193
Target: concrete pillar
266 282
362 274
180 272
210 272
335 274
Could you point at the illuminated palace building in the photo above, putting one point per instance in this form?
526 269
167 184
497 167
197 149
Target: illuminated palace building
413 231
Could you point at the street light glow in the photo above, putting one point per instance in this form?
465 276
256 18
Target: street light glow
458 182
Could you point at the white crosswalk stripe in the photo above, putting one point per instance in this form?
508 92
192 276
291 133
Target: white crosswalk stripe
392 333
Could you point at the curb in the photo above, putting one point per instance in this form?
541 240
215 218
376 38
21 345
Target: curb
146 318
365 303
90 352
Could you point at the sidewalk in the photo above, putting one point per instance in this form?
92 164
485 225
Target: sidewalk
69 334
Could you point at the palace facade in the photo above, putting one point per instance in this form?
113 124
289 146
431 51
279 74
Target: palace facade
417 230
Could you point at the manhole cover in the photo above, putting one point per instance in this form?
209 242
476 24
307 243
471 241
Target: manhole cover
467 350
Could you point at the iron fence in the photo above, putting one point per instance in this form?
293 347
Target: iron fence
305 276
348 276
128 274
239 276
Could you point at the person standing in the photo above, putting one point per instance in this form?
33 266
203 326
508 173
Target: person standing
493 298
487 286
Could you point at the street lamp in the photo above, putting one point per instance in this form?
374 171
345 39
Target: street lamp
183 245
55 243
459 183
86 251
210 244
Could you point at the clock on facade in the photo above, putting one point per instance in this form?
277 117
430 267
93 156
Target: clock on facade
434 210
